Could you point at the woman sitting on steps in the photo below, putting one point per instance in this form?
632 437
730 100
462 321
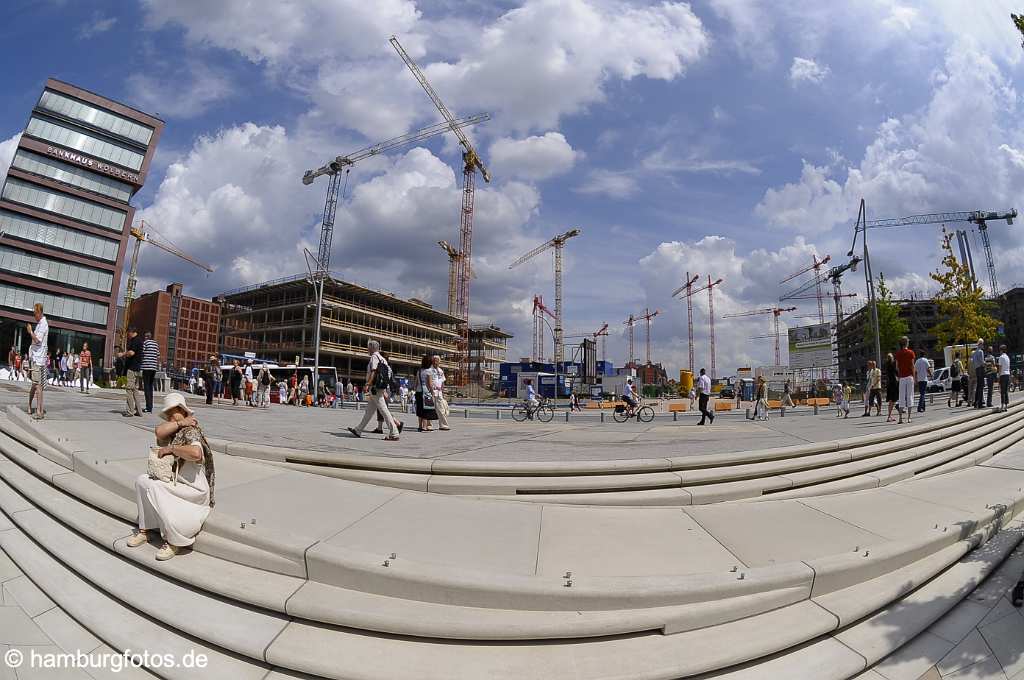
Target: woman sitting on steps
179 507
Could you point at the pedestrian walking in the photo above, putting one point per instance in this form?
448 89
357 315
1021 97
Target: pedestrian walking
304 390
1004 378
263 382
991 374
978 373
839 396
378 378
339 393
282 393
703 397
787 397
18 373
132 356
403 394
873 380
437 384
426 409
892 384
11 360
84 368
235 382
38 355
956 370
760 399
905 370
211 374
150 364
922 372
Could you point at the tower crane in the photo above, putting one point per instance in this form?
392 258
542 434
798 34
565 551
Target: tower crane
557 243
688 287
979 218
471 163
833 275
333 169
145 232
711 321
454 256
539 309
647 316
776 312
816 265
630 323
601 332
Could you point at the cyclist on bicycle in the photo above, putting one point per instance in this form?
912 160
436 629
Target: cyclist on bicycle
629 394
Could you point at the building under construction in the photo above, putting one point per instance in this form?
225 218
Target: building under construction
488 345
277 320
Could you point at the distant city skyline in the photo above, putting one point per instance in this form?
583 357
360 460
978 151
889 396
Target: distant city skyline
724 137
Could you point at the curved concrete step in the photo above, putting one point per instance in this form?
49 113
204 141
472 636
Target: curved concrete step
683 481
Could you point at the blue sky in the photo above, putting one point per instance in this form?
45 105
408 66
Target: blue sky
731 137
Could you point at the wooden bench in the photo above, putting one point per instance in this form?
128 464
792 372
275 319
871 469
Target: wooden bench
724 405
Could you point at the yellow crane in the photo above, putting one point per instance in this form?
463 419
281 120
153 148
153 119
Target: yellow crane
145 232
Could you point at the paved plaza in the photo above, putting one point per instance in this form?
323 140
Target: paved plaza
806 547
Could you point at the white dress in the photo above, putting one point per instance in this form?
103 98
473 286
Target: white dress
178 509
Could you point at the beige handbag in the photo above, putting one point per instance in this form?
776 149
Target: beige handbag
164 468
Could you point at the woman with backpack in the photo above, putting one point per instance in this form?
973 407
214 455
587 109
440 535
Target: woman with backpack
263 381
956 370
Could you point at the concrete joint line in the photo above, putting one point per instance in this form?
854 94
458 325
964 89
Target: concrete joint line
540 531
724 546
840 519
399 492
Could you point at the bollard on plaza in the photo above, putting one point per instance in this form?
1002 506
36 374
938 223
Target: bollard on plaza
566 416
602 416
748 413
497 415
782 411
675 415
931 398
815 409
465 413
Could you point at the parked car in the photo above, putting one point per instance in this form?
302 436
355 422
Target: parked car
940 381
727 392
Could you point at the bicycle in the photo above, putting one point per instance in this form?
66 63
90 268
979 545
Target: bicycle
643 414
526 411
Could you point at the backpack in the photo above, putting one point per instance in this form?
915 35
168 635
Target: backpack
954 370
265 379
382 377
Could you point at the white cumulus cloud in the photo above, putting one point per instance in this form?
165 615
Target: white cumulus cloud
807 70
534 158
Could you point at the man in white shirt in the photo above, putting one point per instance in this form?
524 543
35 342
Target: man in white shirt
1004 378
37 355
703 395
629 393
922 371
377 397
440 403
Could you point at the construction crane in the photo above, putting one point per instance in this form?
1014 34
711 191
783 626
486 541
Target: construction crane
145 232
711 322
816 266
688 287
539 309
333 169
630 323
647 316
776 312
556 243
454 256
979 218
471 163
601 333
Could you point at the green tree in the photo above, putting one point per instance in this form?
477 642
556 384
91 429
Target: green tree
962 306
891 327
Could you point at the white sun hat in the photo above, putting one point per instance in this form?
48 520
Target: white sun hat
171 401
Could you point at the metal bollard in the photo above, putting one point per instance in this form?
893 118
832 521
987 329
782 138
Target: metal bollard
497 415
815 409
782 411
566 416
675 415
602 416
748 413
465 413
931 398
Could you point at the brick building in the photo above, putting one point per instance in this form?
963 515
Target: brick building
186 328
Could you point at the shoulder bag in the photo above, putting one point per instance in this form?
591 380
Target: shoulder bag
164 468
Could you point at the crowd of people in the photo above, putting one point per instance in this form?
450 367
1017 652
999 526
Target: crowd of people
69 368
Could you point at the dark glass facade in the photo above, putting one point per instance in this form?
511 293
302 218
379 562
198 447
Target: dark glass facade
65 214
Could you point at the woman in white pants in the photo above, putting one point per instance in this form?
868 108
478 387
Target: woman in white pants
440 403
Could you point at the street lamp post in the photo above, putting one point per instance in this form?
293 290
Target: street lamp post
316 278
862 227
554 340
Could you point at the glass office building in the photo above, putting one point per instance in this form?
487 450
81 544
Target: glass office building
65 216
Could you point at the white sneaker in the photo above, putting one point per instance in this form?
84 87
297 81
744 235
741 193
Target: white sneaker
166 552
137 539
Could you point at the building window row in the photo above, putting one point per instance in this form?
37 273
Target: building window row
79 141
78 110
47 268
64 204
57 236
70 174
62 306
